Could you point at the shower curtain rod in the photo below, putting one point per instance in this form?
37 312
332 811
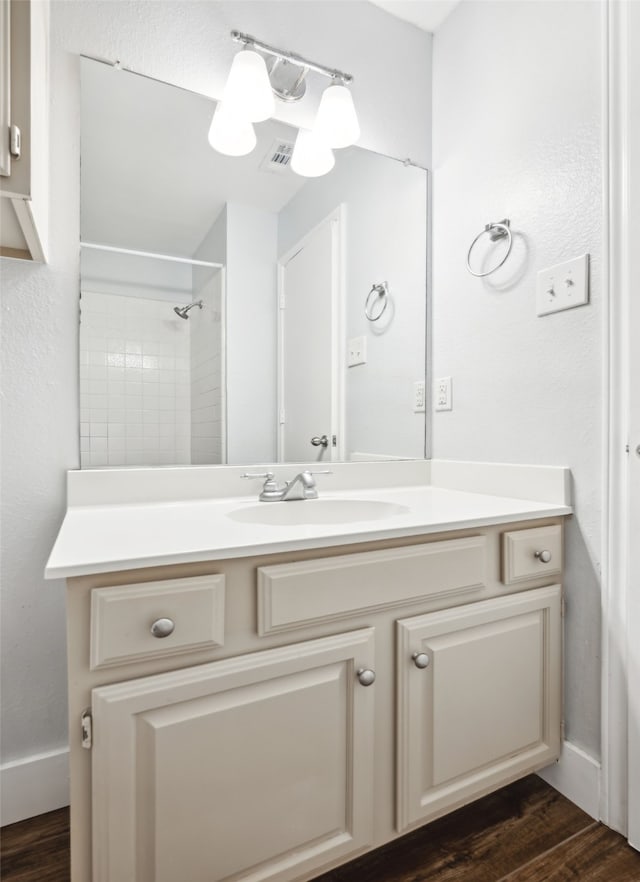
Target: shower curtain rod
170 257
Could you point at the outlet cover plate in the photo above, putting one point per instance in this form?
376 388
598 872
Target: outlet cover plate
357 351
419 397
442 394
563 286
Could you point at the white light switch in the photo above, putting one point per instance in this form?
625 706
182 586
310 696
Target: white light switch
357 351
563 286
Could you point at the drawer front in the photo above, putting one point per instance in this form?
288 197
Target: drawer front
524 557
122 618
291 595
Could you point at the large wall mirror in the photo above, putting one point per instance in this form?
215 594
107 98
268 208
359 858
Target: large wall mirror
223 299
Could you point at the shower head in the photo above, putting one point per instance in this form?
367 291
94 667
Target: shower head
183 310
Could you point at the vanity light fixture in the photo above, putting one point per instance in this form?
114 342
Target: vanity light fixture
248 98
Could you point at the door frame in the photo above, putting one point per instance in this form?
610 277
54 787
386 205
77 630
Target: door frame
337 220
619 802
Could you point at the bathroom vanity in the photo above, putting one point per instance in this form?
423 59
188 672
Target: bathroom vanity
269 710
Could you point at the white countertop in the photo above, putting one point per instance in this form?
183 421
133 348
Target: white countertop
104 538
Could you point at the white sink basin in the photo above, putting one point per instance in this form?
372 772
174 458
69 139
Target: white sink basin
317 511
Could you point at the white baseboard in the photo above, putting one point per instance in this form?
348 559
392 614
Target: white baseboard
34 785
577 776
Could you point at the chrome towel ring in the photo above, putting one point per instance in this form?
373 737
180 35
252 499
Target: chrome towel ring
497 231
380 291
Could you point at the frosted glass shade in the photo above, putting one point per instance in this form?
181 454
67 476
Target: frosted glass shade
230 133
311 156
337 122
248 90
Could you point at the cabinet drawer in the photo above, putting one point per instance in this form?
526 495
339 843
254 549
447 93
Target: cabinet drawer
291 595
523 553
122 618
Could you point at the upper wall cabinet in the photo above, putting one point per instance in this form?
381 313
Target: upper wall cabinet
24 109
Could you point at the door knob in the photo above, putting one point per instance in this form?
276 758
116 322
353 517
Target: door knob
543 556
421 659
366 676
320 441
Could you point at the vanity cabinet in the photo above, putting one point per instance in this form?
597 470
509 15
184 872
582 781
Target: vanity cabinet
303 707
478 699
24 123
257 767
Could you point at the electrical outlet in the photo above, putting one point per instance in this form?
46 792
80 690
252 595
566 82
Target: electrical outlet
357 351
418 396
442 395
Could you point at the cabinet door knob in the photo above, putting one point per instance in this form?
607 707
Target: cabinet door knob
421 659
365 676
543 556
162 627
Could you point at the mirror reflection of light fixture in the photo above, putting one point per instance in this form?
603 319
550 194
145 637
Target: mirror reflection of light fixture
312 157
248 98
231 134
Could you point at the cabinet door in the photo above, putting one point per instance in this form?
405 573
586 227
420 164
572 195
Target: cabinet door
485 706
255 768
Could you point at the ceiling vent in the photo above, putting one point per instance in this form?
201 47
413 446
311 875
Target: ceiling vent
278 157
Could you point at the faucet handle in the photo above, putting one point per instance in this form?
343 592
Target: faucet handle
268 475
322 472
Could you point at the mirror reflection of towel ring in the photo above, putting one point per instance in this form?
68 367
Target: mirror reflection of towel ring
496 232
380 291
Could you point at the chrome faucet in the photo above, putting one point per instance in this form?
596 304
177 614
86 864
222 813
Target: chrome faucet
303 486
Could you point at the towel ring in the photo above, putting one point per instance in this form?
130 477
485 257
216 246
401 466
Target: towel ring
381 291
496 232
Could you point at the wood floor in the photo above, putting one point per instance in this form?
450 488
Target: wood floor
526 832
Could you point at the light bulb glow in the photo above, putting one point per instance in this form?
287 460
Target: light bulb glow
311 156
248 90
337 122
230 134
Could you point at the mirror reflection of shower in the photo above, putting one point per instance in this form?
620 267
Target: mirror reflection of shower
152 388
183 310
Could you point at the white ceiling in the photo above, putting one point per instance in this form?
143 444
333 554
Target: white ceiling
425 14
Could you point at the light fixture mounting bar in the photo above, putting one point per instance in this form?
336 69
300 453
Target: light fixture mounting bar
291 57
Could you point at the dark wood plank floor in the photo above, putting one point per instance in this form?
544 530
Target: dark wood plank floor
526 832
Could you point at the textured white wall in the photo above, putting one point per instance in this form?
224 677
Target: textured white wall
185 43
517 133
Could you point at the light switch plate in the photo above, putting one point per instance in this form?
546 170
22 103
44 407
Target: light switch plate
563 286
357 351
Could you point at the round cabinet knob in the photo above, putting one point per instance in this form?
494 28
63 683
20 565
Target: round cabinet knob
543 556
162 627
421 659
365 676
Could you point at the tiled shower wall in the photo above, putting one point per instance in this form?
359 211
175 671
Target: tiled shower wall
134 382
207 381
